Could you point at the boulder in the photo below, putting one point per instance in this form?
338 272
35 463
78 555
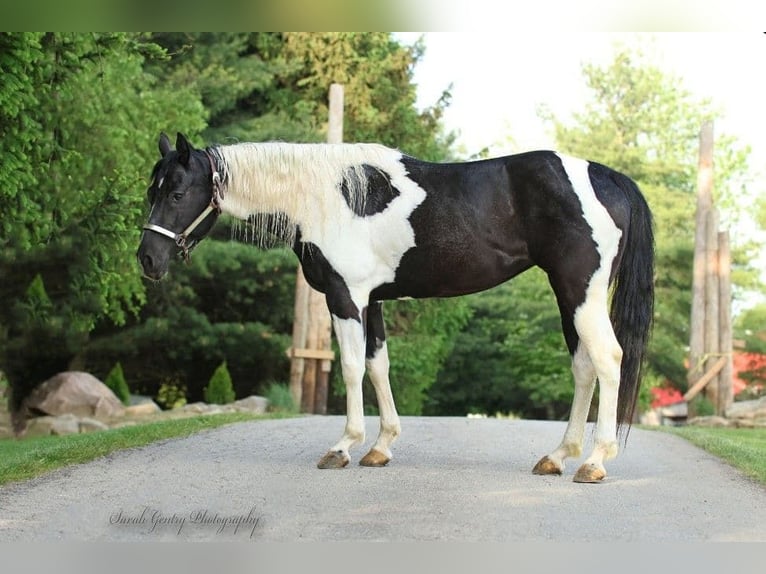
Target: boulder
143 409
92 425
252 404
755 409
76 393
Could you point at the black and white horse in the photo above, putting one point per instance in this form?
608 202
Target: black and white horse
370 224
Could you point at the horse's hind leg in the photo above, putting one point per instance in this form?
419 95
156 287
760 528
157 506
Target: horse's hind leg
571 445
377 368
597 335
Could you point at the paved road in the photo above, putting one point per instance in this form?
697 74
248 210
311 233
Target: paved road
451 479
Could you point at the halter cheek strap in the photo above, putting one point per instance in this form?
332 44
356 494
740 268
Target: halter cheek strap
214 205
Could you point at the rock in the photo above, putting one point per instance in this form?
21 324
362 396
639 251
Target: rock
711 421
143 409
197 408
65 424
252 404
650 418
92 425
76 393
754 409
140 399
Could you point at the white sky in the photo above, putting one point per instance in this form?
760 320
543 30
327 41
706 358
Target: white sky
499 80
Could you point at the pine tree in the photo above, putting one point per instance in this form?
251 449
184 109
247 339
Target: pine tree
115 380
220 390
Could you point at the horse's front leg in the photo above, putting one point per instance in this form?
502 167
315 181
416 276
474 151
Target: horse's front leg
350 335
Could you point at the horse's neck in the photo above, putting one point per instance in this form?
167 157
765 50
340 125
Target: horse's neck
298 182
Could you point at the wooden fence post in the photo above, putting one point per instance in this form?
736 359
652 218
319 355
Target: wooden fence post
712 350
704 204
318 307
311 353
725 383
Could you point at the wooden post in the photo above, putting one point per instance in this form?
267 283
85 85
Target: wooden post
704 204
712 350
300 331
725 386
312 340
320 317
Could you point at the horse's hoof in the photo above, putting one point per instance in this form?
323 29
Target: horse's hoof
374 458
334 459
546 466
590 473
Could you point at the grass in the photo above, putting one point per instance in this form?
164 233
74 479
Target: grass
744 449
31 457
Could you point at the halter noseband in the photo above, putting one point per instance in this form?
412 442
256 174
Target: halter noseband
214 205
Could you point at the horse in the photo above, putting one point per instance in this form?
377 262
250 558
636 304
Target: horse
369 223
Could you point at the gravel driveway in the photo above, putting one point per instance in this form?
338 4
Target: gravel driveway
450 479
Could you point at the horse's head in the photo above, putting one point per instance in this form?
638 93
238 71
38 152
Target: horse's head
185 195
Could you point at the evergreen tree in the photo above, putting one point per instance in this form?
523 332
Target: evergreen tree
220 390
115 380
78 118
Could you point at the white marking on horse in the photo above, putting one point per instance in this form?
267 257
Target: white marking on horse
302 181
592 321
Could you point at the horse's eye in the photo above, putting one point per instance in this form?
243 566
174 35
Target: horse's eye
178 195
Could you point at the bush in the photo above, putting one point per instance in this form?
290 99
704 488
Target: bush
172 393
220 390
115 380
280 399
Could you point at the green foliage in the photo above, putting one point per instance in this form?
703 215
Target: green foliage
220 391
280 399
421 335
510 357
231 302
172 393
72 178
69 212
274 86
115 380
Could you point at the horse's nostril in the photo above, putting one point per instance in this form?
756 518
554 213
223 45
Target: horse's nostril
146 262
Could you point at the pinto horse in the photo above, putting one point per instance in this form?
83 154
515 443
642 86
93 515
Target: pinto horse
369 224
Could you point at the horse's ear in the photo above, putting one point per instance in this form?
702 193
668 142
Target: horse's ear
164 144
184 148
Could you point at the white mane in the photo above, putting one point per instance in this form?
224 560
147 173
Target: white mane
279 186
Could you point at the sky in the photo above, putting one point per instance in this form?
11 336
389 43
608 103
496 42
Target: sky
499 80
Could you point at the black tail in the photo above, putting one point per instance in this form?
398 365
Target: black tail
632 308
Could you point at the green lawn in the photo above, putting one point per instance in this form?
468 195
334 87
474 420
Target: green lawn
744 449
27 458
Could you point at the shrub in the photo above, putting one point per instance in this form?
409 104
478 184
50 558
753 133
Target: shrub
115 380
220 390
172 393
280 399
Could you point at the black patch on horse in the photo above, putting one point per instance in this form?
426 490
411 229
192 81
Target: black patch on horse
376 194
323 277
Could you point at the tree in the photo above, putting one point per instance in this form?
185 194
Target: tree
220 391
70 213
115 380
643 122
510 357
264 86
